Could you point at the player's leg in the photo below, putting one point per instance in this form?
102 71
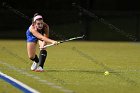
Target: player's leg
42 57
31 49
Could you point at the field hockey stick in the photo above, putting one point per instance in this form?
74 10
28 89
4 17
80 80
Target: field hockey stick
70 39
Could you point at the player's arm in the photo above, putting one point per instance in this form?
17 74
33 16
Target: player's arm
40 36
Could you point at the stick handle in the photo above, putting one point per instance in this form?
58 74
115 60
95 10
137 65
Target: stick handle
48 45
64 41
51 44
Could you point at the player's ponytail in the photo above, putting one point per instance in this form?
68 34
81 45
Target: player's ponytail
36 14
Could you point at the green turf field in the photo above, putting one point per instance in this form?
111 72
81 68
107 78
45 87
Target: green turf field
74 67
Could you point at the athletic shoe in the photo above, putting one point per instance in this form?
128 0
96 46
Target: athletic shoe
39 69
34 66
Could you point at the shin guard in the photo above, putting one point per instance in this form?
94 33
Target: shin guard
42 57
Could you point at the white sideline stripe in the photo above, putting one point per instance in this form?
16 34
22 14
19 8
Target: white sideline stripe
53 85
19 83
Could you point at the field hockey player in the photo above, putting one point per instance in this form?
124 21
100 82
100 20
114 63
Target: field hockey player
38 32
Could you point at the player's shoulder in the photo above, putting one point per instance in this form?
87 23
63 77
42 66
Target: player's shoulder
32 28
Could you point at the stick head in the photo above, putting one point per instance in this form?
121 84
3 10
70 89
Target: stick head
83 36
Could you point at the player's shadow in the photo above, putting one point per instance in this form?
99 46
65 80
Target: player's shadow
77 71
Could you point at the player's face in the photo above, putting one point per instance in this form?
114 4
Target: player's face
39 24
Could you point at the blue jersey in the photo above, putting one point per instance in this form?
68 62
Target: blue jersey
30 37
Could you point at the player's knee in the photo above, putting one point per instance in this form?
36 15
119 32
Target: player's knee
43 52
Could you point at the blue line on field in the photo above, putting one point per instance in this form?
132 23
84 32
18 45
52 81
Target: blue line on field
15 84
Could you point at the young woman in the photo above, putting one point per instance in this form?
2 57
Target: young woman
38 32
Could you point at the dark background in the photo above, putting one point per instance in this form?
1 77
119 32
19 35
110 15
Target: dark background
67 21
